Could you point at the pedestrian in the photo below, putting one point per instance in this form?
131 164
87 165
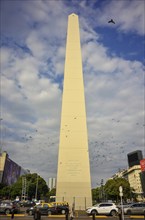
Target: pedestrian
37 214
93 216
12 212
66 214
72 211
120 213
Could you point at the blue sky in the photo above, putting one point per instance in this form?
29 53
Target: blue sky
33 38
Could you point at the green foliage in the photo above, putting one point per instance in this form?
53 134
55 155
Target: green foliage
95 195
52 192
2 185
5 192
32 182
16 189
112 189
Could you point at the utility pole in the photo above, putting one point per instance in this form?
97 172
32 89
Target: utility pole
36 188
24 184
102 190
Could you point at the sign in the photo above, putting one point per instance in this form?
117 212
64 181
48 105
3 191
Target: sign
142 164
120 189
121 194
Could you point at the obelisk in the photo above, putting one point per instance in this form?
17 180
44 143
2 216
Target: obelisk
73 174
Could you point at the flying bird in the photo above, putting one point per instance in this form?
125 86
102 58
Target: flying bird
111 21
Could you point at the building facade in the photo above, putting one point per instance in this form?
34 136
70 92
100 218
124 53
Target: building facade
51 183
133 175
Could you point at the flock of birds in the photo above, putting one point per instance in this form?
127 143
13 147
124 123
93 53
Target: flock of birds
102 149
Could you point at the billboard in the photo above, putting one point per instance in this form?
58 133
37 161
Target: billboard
134 158
142 164
11 172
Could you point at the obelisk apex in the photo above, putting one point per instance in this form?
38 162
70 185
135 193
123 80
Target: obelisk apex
73 175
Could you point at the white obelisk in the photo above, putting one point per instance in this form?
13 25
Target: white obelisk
73 175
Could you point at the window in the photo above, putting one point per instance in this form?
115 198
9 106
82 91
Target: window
135 205
104 205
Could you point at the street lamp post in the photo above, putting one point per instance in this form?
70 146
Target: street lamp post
36 188
121 195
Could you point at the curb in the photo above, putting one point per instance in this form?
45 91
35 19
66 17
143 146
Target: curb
19 215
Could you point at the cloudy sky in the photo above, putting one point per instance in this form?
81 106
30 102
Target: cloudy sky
33 38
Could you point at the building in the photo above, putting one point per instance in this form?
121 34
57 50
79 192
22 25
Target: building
136 171
142 175
73 174
119 174
133 176
9 170
51 183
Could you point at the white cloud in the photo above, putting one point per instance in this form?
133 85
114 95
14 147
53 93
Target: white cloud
31 94
115 107
128 15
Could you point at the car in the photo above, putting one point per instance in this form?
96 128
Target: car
38 202
48 209
43 207
124 205
27 203
8 207
103 208
58 209
136 208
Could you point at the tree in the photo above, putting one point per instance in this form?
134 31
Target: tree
5 192
112 189
96 195
31 181
52 192
36 185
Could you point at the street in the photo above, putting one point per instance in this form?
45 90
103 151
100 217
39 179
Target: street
62 217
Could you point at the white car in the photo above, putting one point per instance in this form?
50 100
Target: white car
103 208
